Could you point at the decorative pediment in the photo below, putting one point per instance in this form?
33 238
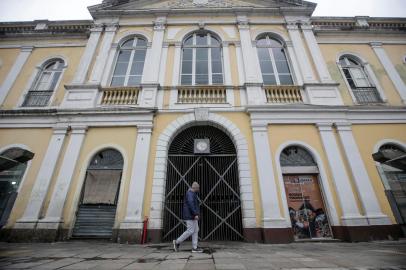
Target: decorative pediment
190 4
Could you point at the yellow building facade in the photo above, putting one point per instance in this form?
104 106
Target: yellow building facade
277 114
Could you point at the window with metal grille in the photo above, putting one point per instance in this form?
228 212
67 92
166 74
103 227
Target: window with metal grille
273 61
44 86
130 63
296 156
202 60
357 78
393 177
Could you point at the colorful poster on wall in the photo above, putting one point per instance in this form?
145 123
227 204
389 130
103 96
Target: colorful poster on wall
306 208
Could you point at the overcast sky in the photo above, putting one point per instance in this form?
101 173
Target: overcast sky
26 10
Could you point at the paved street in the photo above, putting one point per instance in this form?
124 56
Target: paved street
235 256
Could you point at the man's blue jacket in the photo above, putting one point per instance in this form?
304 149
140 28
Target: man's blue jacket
190 206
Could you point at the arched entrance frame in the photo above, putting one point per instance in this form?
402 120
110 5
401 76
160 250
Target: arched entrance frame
323 181
163 144
381 171
82 177
24 177
22 146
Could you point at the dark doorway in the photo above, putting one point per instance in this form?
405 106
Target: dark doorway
98 203
10 180
217 173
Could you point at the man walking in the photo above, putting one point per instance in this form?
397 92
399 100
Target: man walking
191 213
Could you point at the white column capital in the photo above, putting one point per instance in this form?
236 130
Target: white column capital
292 27
325 126
27 48
343 126
111 27
307 27
227 43
243 22
96 28
160 24
376 44
259 128
78 129
61 130
144 129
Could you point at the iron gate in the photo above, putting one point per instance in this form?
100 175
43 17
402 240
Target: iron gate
217 174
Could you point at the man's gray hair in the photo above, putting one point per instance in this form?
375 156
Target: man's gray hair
195 185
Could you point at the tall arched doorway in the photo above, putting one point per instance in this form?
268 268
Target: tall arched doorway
207 155
10 181
393 175
305 201
98 201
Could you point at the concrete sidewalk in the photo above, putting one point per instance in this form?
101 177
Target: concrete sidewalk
238 256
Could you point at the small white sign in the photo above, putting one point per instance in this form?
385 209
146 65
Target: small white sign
200 2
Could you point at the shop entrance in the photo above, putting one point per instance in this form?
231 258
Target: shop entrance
97 210
306 206
10 181
207 155
393 175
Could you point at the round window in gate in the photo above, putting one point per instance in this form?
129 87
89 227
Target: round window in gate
306 207
207 155
97 210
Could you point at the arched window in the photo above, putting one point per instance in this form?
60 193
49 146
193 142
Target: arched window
202 61
295 156
356 76
274 64
45 84
130 63
10 180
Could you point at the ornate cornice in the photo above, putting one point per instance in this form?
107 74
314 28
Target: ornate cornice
46 28
357 24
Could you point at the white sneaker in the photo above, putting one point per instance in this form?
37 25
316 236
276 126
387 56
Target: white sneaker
197 250
175 246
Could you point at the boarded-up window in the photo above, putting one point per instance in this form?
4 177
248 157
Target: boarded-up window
101 186
103 177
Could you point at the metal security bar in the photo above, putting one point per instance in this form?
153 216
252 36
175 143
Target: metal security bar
367 95
37 98
219 196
